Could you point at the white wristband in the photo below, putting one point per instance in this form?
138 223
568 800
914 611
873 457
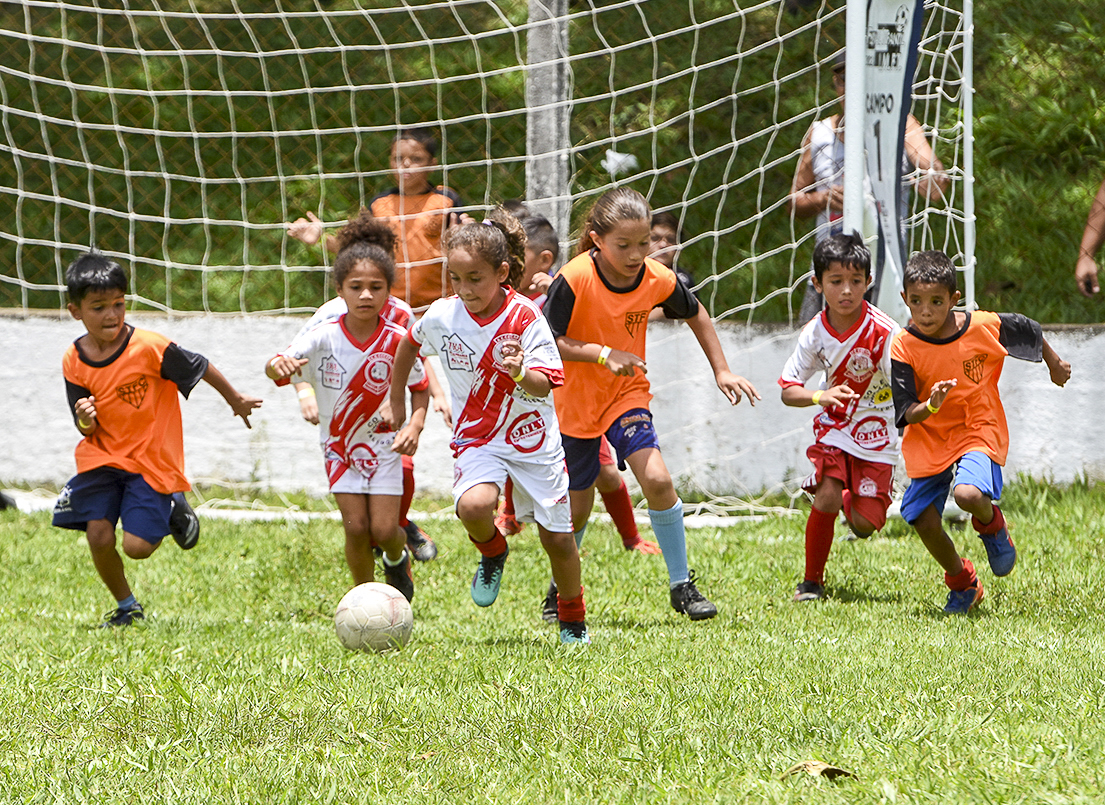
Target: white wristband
306 392
604 353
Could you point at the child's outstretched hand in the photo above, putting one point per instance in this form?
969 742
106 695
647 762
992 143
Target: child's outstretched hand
243 406
733 386
838 395
85 410
940 391
307 230
283 366
624 363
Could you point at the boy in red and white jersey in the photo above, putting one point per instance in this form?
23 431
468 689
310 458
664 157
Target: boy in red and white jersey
856 445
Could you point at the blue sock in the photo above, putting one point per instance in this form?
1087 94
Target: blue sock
579 535
667 525
128 603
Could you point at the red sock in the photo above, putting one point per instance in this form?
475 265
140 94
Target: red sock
964 579
994 526
508 498
620 508
819 539
571 610
493 547
408 491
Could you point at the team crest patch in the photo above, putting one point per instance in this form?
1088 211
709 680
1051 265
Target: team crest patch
501 342
133 393
377 372
973 367
331 373
867 488
871 433
860 366
62 505
634 320
364 460
457 354
526 433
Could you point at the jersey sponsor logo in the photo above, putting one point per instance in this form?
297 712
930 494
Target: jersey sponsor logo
133 393
871 433
634 320
458 473
526 433
63 504
330 372
860 366
364 460
973 367
879 393
456 353
377 373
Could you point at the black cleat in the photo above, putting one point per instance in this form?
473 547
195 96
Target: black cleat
183 523
687 599
422 548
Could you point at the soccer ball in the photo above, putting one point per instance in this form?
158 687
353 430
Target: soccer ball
374 617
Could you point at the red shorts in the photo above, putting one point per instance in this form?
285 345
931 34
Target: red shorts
869 482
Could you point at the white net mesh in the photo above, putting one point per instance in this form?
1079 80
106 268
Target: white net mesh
179 137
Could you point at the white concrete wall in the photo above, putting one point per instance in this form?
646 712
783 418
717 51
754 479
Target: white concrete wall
706 443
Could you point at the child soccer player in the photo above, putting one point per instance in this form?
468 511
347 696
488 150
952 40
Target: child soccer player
122 385
598 308
418 213
349 360
500 362
945 371
856 445
665 243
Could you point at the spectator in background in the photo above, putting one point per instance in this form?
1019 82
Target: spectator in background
665 238
1085 270
818 187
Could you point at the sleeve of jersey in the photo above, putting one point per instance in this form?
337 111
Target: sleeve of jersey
301 347
74 393
800 366
682 304
417 380
417 335
541 353
559 303
184 368
1021 336
903 385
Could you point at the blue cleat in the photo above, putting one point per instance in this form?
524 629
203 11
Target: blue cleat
489 575
960 602
574 633
1000 551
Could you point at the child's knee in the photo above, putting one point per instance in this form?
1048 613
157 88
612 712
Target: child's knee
478 503
558 544
100 534
356 525
968 496
136 547
609 479
861 525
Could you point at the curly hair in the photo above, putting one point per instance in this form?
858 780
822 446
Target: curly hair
365 238
499 239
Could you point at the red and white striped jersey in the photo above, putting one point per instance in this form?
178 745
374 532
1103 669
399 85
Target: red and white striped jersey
351 380
859 358
490 409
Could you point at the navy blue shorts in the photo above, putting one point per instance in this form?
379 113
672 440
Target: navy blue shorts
109 493
974 468
632 431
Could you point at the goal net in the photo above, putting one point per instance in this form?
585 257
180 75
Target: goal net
180 137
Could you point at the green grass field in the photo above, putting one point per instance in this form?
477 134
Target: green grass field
236 689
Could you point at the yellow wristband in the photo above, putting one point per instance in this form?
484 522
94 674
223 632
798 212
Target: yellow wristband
604 353
932 410
521 375
307 392
817 397
81 423
272 363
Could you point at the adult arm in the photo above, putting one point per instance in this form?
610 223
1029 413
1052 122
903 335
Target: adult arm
1085 270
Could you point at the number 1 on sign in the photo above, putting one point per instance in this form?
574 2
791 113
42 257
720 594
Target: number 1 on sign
878 146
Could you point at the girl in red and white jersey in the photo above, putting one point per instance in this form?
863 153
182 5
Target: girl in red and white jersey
501 364
349 360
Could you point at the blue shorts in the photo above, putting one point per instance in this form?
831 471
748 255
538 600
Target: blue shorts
632 431
974 468
109 493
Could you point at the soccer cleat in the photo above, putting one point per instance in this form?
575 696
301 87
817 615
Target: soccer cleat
508 524
399 576
687 599
422 548
1000 551
549 608
809 591
123 617
183 523
489 575
960 602
642 546
574 632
